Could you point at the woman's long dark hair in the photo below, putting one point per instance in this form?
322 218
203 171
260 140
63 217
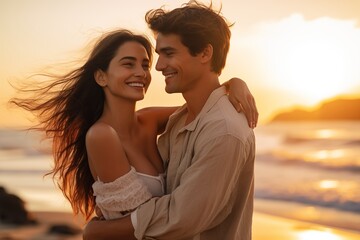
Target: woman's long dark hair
67 106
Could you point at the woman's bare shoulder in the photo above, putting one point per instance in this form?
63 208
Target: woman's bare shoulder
99 132
105 152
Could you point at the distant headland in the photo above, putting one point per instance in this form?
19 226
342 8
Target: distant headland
338 109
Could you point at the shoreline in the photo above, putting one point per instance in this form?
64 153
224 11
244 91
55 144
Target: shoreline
265 227
271 227
327 217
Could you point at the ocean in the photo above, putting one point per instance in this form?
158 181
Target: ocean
304 170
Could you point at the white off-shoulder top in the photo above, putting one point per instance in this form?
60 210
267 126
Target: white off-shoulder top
120 197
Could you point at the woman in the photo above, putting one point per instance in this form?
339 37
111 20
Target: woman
101 145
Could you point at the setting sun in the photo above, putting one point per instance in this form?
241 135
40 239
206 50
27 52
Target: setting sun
313 59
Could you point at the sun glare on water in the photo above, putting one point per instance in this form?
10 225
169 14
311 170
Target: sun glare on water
328 184
325 133
318 235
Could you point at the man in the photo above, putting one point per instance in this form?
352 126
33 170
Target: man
207 145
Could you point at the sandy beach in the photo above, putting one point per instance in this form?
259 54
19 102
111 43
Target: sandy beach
40 231
265 227
268 227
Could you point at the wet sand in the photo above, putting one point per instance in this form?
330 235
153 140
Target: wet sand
268 227
265 227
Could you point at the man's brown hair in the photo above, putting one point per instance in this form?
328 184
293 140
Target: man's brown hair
197 25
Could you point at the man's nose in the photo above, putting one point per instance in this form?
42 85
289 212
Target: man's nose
160 64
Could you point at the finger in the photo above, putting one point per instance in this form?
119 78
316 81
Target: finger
235 103
248 111
248 115
255 113
245 108
249 118
251 109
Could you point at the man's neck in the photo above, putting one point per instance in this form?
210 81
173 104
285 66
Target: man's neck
197 96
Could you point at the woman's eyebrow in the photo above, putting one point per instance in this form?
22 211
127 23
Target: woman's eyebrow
128 58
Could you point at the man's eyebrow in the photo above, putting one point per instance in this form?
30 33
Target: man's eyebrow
164 49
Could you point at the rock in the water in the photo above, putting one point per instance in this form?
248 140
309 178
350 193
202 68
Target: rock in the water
12 209
63 229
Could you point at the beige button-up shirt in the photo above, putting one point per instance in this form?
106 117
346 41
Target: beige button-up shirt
210 177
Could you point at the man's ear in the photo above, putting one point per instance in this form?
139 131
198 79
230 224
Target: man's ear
207 53
100 78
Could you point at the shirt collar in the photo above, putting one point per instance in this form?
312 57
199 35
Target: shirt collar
210 102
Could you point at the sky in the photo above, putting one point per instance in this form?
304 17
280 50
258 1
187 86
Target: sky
289 52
